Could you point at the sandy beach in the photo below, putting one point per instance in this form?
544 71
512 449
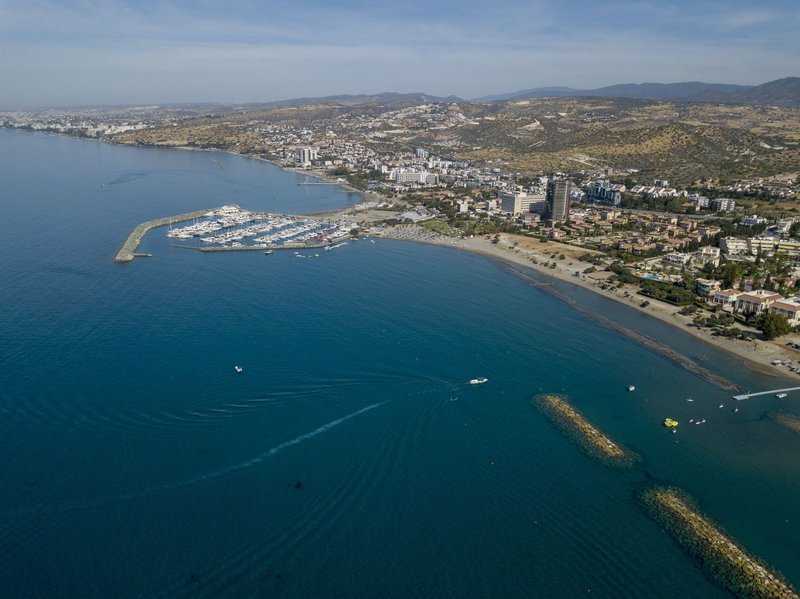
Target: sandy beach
532 253
525 251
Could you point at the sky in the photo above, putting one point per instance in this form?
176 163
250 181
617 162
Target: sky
99 52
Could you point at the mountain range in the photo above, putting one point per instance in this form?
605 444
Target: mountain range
781 92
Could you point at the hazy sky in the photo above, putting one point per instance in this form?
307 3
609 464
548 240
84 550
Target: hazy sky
126 52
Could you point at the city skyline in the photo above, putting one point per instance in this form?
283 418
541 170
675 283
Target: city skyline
119 52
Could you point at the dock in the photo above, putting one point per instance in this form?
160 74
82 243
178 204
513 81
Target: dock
128 250
773 392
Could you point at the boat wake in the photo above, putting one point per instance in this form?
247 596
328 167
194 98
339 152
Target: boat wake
102 501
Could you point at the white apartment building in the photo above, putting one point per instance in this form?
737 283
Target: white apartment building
517 202
756 302
723 205
789 308
707 254
676 259
731 246
726 298
408 176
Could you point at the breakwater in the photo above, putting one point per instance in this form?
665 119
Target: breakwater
571 422
741 573
128 250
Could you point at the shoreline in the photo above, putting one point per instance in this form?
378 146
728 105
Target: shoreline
757 354
314 174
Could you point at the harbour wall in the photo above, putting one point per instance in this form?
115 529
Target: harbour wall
128 250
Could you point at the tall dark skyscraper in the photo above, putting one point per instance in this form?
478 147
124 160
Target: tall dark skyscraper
558 196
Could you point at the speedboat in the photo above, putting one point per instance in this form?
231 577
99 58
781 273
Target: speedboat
631 388
478 381
670 423
781 395
238 369
268 253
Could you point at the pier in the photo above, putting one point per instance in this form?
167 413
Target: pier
774 391
128 250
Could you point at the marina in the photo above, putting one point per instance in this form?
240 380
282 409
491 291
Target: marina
231 228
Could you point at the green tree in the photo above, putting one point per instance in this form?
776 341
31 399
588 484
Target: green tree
731 272
773 325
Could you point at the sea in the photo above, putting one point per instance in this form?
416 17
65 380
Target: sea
350 458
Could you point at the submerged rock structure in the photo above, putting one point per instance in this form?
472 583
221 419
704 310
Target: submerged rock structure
790 421
584 433
739 572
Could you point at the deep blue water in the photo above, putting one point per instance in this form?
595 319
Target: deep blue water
138 463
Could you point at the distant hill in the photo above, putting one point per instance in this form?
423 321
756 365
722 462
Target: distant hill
781 92
385 98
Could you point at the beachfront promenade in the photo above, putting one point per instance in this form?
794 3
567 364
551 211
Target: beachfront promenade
128 250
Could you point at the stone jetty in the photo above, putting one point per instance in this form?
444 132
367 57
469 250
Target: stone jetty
128 250
584 433
741 573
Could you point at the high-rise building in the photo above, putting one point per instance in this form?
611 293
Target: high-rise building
305 155
558 199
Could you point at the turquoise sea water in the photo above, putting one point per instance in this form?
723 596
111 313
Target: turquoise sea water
138 463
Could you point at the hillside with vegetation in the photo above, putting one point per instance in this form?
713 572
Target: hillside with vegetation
684 142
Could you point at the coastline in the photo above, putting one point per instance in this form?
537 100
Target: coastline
314 174
524 251
756 354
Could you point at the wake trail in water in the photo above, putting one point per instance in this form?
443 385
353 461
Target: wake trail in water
102 501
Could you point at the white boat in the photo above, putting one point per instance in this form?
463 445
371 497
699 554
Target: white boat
268 253
479 381
238 369
781 395
631 388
